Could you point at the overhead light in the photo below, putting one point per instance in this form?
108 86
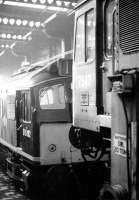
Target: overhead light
50 1
8 36
1 1
37 24
19 37
5 20
27 5
3 35
7 46
31 23
11 21
34 1
67 3
18 22
24 22
42 1
73 4
29 38
12 45
54 8
59 3
14 37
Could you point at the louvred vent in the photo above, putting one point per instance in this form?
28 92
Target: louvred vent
129 25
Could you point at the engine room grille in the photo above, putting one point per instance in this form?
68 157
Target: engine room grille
129 25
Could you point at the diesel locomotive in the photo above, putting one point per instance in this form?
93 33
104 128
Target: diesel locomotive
105 93
35 118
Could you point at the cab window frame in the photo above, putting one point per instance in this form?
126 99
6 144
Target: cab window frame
25 106
84 59
106 24
57 104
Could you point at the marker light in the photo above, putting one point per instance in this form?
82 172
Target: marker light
11 21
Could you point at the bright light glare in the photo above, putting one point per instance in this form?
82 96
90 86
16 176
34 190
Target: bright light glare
50 18
27 5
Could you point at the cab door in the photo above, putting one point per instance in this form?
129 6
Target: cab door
23 117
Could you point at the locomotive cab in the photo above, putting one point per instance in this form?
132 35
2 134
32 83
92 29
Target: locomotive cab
36 137
91 68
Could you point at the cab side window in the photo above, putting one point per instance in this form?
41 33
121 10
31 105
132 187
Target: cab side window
80 39
85 37
52 97
110 28
25 104
46 97
90 35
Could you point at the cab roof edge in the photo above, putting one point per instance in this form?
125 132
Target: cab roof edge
77 6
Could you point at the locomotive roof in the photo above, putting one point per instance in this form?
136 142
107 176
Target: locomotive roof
35 76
